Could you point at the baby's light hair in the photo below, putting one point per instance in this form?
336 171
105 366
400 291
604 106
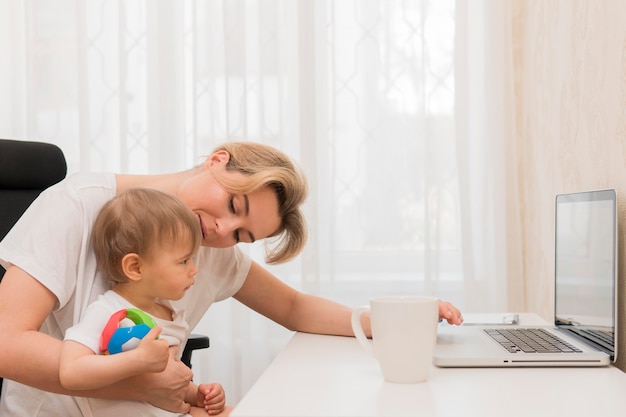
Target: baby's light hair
139 221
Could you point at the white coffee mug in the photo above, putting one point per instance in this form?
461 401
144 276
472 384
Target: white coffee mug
404 334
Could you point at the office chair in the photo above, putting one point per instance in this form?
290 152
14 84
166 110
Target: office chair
26 169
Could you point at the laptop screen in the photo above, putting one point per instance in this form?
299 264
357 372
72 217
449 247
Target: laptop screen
585 259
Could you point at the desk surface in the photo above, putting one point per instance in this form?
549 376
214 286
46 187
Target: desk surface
333 376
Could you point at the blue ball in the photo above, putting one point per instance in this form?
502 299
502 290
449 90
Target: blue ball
127 338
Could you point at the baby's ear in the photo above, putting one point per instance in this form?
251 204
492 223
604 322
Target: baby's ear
132 266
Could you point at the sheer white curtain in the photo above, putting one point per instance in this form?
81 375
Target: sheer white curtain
360 93
487 146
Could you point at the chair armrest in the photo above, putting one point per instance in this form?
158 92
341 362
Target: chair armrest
195 341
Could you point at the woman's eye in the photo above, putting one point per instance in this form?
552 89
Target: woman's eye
231 204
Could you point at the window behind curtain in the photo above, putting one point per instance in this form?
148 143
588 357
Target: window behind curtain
360 93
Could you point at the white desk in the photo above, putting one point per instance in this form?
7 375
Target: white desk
334 376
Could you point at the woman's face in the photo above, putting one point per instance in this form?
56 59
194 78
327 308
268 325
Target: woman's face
225 218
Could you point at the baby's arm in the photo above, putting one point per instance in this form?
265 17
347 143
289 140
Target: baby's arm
81 369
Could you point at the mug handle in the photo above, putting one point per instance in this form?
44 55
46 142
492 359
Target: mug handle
358 329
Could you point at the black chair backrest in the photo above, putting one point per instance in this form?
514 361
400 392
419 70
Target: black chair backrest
26 169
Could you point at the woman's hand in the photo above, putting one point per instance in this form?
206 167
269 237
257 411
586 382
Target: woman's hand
167 389
449 313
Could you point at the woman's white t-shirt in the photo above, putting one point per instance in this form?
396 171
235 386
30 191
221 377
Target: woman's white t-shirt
51 242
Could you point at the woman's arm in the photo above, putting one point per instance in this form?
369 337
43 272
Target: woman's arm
32 358
267 295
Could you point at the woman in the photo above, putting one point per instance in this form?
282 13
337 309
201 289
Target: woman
243 192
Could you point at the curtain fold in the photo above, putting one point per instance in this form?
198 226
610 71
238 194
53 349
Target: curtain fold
486 145
399 113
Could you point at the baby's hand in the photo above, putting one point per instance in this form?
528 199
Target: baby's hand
153 352
212 398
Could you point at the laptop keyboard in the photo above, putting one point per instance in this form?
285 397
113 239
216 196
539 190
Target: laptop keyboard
530 341
602 338
603 335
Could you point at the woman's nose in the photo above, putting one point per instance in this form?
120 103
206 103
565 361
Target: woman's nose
226 226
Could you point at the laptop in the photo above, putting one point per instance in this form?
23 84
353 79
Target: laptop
585 290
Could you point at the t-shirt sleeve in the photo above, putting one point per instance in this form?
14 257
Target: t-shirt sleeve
91 325
230 272
51 237
221 273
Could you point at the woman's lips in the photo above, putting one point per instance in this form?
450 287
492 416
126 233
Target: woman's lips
202 227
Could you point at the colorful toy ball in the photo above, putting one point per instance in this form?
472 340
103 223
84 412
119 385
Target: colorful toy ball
116 339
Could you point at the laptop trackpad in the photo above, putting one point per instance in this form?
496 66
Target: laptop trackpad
465 342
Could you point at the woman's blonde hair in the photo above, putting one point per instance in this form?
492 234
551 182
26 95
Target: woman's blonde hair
140 220
265 166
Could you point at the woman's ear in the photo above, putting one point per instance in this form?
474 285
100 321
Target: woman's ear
131 265
218 158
